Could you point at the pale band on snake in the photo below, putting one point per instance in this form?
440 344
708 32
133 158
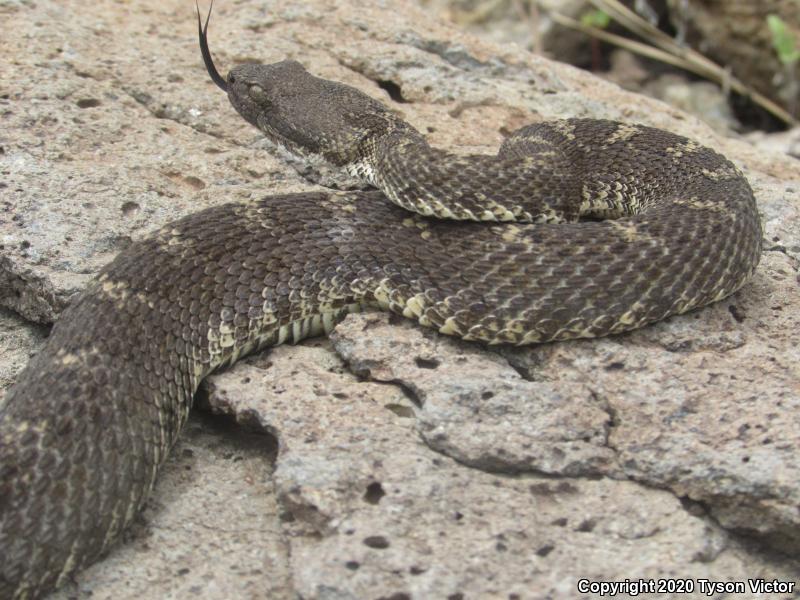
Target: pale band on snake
576 228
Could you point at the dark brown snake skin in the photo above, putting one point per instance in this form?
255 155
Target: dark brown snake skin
94 414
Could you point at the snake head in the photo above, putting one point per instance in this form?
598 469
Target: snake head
307 115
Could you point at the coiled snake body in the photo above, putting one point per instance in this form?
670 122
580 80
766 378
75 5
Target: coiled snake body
673 226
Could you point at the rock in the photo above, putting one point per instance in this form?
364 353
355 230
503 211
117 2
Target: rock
18 343
377 511
686 415
785 141
668 452
736 35
701 98
627 70
476 408
525 23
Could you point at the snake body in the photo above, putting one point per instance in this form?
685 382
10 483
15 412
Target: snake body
671 226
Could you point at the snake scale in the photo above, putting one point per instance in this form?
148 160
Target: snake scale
610 227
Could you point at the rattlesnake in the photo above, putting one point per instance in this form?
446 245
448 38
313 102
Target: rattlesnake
614 226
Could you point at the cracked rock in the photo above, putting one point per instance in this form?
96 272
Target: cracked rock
408 465
706 404
372 510
476 408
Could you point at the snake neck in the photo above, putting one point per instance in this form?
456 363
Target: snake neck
436 183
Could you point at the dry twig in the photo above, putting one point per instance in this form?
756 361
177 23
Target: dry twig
663 48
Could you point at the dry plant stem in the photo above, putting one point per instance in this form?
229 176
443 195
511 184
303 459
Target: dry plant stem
480 14
532 16
669 52
633 22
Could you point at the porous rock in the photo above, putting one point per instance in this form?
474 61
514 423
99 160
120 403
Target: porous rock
668 452
475 407
378 511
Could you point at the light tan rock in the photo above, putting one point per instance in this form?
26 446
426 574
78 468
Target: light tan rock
706 404
18 342
476 408
379 512
112 128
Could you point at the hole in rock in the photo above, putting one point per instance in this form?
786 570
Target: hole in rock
426 363
737 314
376 541
129 208
88 103
587 525
393 89
374 493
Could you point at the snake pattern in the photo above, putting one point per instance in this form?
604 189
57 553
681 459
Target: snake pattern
576 228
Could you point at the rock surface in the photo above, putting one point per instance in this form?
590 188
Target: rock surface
409 465
735 34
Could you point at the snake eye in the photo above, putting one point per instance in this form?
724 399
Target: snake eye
256 92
